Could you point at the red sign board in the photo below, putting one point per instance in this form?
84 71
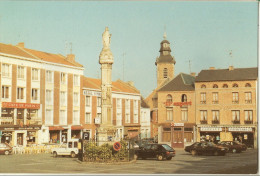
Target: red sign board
117 146
20 105
177 103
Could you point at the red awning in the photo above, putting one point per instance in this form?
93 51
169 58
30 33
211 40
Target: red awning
55 128
77 127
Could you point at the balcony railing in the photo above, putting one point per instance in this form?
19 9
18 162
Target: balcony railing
202 102
248 121
203 122
248 101
235 102
236 121
6 121
215 102
215 121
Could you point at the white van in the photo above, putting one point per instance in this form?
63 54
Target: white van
69 148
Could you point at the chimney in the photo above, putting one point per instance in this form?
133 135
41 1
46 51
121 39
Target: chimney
212 68
231 68
70 57
131 83
21 45
193 74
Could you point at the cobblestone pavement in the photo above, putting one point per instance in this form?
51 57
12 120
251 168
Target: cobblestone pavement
183 163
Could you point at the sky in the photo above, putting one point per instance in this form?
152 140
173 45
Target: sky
203 33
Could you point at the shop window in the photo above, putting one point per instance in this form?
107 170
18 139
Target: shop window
236 117
203 98
215 86
215 97
31 135
203 86
5 92
169 116
225 86
235 99
20 72
87 100
248 97
32 117
165 73
248 85
35 74
248 117
184 98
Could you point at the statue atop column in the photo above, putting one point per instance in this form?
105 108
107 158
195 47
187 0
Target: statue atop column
106 38
106 55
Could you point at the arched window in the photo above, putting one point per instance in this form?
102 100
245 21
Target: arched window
165 73
235 85
203 86
169 98
225 86
215 86
248 85
184 98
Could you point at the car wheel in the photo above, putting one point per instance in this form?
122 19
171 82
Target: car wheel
169 158
234 151
55 154
215 153
6 152
160 157
193 152
73 155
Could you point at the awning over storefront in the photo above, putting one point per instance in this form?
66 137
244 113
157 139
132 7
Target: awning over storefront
77 127
52 128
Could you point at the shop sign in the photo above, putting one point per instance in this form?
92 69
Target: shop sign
240 129
177 103
210 129
20 128
91 93
177 124
20 105
97 120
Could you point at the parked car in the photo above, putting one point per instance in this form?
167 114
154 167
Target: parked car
233 146
190 147
5 149
208 148
70 148
159 151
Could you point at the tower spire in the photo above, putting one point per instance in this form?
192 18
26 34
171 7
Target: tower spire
164 34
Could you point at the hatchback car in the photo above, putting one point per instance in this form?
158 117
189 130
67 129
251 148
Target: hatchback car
159 151
208 148
233 146
5 149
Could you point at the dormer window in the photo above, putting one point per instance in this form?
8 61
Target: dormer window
203 86
215 86
184 98
248 85
235 85
165 73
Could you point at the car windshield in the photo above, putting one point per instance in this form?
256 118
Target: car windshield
167 147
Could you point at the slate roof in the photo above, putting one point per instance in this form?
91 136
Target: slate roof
182 82
37 55
165 59
117 86
237 74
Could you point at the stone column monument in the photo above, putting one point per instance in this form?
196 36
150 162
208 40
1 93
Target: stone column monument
106 131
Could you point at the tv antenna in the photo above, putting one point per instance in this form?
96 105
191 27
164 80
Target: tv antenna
123 65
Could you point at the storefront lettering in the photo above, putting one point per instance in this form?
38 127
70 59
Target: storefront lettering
20 105
240 129
177 124
210 129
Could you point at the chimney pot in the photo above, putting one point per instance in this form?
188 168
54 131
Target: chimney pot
212 68
21 45
193 74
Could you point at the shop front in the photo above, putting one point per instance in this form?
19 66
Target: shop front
243 135
132 132
76 132
210 133
55 134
